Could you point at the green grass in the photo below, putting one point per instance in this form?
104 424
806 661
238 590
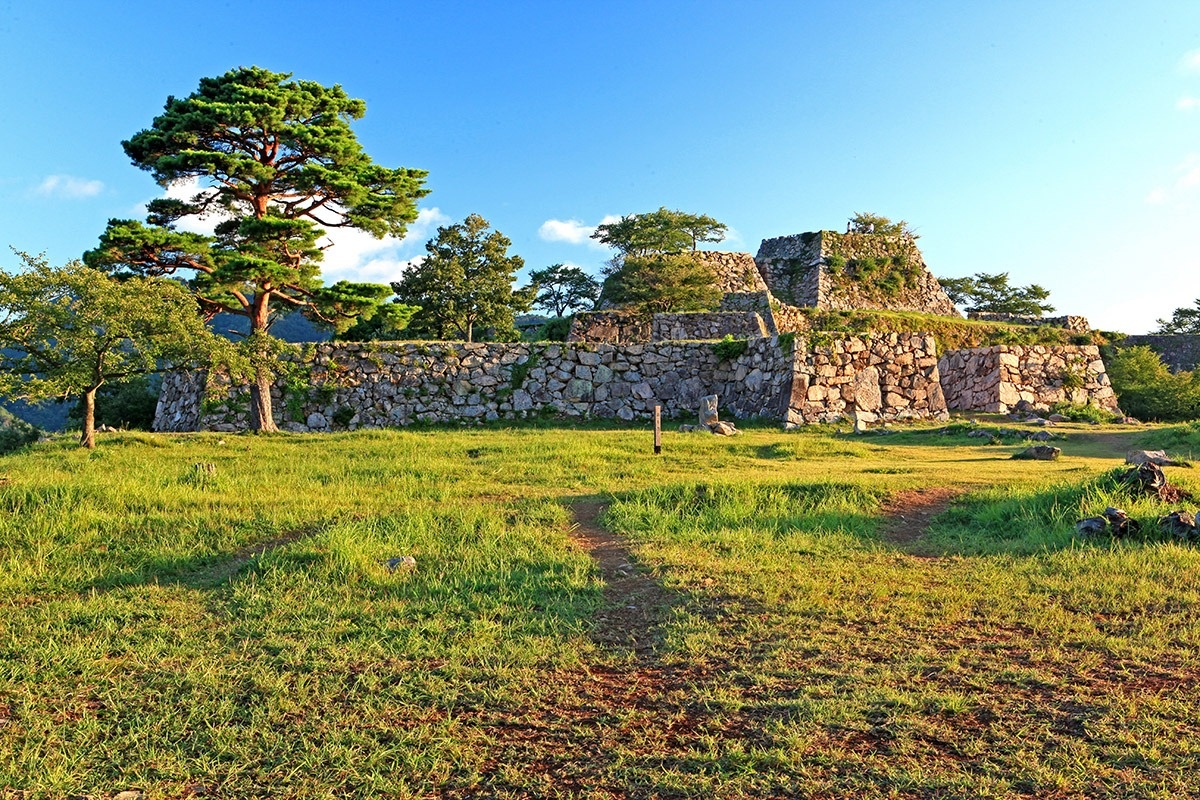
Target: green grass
147 643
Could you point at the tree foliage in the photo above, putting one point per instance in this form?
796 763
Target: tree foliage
662 283
1182 321
1148 390
655 269
561 289
465 284
993 294
864 222
661 231
277 163
67 331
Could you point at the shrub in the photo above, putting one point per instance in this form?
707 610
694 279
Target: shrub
554 330
730 348
15 433
1082 413
1148 390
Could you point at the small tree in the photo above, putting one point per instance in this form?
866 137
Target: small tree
662 283
278 163
661 231
465 284
993 294
1183 320
65 332
655 269
561 289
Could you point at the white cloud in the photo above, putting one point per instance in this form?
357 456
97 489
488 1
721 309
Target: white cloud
70 187
350 254
573 231
1187 103
1190 61
354 255
1157 197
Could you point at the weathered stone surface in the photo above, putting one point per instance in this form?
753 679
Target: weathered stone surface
708 410
865 386
1005 377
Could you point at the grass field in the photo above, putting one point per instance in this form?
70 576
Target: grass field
234 631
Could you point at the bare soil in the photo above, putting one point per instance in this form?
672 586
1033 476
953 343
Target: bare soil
909 513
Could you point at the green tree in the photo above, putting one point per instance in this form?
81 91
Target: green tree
661 231
465 283
1183 320
993 294
561 289
655 269
66 332
662 283
278 163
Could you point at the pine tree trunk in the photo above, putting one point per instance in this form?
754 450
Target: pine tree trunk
88 437
262 416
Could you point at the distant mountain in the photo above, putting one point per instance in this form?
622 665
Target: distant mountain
49 416
294 328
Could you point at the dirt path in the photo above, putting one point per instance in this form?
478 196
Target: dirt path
218 573
909 513
634 602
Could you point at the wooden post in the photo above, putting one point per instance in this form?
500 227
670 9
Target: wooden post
657 430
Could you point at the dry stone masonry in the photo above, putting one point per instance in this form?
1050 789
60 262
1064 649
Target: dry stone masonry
620 365
847 271
998 378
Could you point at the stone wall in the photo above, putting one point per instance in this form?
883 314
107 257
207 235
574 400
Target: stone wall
789 265
389 384
878 378
707 325
180 400
1180 352
1071 323
611 327
997 378
788 319
817 270
736 272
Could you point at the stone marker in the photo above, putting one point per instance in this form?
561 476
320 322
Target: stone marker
708 410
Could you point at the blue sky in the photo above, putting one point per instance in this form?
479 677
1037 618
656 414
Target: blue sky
1056 141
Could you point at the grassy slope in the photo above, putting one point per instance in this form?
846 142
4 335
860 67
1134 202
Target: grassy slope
142 647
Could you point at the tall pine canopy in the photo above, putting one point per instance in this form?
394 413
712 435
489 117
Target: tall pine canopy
276 163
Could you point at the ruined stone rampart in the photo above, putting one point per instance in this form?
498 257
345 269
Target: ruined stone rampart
609 327
851 271
707 325
735 272
884 377
794 380
997 378
1069 322
393 384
